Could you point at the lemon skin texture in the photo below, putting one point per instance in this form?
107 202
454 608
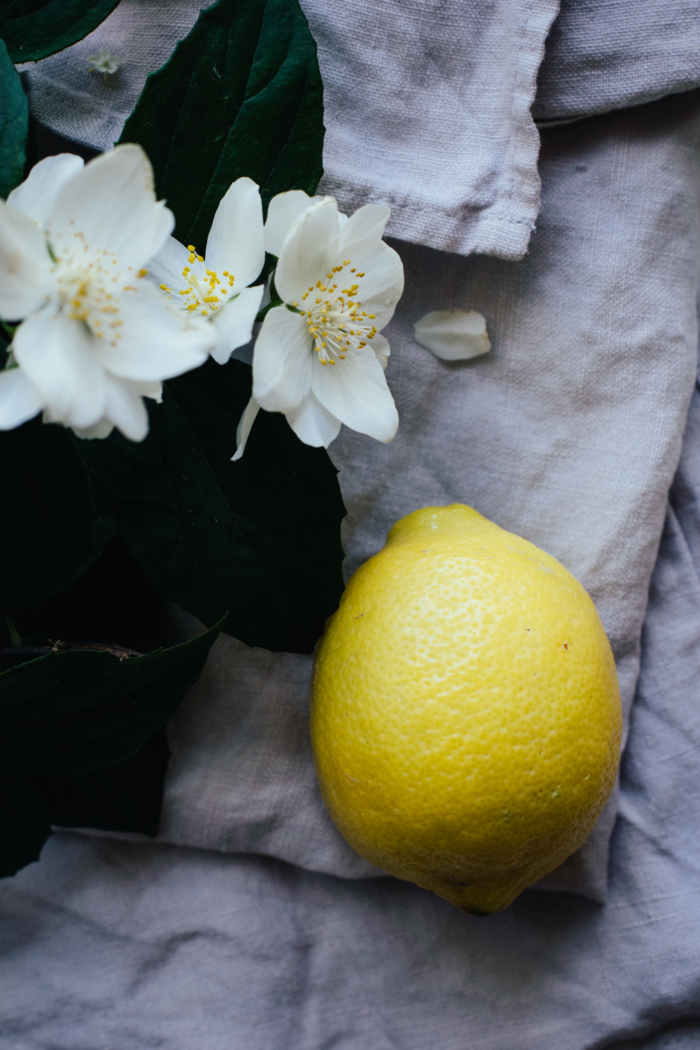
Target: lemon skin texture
465 714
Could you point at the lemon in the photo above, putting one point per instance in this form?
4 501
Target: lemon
465 715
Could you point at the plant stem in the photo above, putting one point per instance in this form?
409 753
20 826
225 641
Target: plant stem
270 305
17 649
12 628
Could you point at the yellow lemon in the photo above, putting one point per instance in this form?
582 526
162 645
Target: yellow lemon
466 714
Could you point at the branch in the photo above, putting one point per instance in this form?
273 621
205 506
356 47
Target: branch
58 646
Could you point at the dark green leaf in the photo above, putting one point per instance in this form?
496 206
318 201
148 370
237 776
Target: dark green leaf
124 797
46 513
14 122
127 796
33 29
113 603
24 823
259 537
69 713
241 95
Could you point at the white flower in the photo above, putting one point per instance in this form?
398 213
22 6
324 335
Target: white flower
95 337
319 358
216 285
104 62
453 335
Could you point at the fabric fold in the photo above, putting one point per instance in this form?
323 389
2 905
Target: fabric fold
428 111
603 55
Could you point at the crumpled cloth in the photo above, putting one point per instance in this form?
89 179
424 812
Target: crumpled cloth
92 108
567 432
415 115
609 54
427 101
141 946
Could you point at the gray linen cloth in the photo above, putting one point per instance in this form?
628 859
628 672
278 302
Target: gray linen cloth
123 946
427 101
568 432
427 106
606 54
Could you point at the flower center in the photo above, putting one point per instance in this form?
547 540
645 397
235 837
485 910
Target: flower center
337 323
204 291
90 287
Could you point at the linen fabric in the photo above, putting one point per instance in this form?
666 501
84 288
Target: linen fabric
608 54
92 108
568 432
427 106
143 945
427 101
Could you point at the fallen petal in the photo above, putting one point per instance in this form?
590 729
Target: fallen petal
453 335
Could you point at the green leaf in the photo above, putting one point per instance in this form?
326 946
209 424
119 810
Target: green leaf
241 95
14 122
127 796
24 823
34 29
69 713
95 723
46 513
113 602
259 537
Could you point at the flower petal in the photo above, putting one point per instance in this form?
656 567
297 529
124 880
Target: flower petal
366 224
282 361
283 211
311 244
57 355
236 241
101 429
380 345
312 423
25 265
112 205
166 267
156 340
355 391
125 408
233 323
152 390
162 228
245 425
36 196
453 335
19 399
382 286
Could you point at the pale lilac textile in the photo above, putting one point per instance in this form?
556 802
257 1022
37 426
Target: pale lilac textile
251 924
608 54
427 106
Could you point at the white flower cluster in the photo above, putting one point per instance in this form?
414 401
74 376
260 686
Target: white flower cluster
104 62
104 304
